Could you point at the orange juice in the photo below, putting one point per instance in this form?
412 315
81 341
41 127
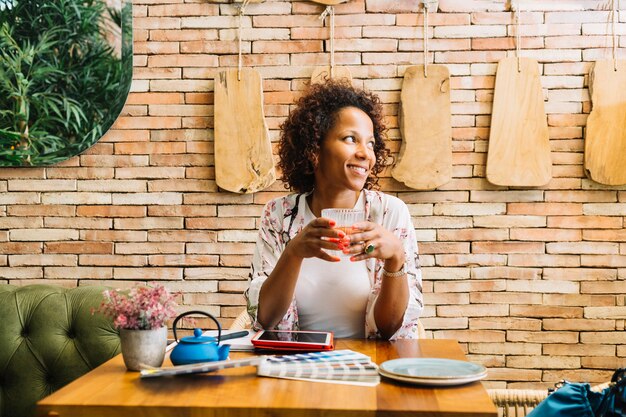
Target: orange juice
348 230
344 219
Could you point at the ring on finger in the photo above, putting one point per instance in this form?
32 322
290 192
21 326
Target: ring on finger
369 248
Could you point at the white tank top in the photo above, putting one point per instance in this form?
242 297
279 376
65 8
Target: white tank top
332 296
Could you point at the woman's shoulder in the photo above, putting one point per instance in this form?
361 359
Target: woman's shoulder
281 205
284 199
384 200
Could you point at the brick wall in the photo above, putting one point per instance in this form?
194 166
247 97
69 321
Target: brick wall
531 282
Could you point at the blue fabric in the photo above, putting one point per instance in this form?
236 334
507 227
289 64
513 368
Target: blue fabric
577 400
568 401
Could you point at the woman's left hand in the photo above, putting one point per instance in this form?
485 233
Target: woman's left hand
371 240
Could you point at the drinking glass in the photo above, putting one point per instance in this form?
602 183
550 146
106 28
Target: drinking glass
344 220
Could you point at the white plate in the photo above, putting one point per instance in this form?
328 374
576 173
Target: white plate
435 382
433 369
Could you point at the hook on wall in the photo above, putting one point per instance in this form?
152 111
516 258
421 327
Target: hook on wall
430 5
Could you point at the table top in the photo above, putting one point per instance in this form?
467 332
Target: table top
111 391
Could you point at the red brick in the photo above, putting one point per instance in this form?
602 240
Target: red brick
546 234
542 337
508 247
580 300
20 247
111 211
149 248
539 311
585 222
181 236
580 274
39 210
431 248
78 247
152 274
472 234
546 209
113 260
605 235
507 323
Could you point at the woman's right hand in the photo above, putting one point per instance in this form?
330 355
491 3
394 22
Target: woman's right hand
316 236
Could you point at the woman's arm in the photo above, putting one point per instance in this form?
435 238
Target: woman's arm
277 291
392 299
396 301
276 266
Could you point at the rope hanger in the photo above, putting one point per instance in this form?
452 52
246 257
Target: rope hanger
614 32
425 36
330 11
428 4
518 36
242 11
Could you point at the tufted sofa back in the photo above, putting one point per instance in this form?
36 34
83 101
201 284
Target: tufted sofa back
48 337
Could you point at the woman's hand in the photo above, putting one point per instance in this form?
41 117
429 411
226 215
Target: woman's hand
371 240
316 236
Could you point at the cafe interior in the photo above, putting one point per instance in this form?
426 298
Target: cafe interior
140 148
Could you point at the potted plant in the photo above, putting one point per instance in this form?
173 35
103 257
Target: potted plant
141 314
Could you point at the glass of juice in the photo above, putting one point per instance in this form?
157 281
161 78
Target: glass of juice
344 219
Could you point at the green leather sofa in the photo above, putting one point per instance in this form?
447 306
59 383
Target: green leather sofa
48 337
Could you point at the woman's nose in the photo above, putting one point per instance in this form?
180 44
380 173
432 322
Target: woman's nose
361 150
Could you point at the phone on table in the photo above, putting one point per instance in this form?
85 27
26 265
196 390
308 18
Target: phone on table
293 340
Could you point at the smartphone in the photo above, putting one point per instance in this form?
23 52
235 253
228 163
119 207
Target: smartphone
293 340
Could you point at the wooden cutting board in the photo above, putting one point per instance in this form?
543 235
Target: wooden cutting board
519 143
425 158
605 139
321 74
243 152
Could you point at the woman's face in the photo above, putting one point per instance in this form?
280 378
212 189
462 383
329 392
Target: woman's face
347 152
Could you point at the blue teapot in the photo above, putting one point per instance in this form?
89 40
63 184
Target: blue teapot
198 348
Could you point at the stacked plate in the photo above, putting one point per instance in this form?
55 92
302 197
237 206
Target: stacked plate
432 371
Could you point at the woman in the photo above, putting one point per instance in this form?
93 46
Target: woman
331 151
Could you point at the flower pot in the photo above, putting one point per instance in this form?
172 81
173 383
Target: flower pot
143 348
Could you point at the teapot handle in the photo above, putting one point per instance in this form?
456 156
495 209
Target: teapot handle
219 328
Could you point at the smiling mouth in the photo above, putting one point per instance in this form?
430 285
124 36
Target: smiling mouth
358 169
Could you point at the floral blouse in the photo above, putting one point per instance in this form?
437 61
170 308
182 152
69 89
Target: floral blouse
282 219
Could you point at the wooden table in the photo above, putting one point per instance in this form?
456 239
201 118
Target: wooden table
111 391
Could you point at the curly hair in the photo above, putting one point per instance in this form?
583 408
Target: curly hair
308 124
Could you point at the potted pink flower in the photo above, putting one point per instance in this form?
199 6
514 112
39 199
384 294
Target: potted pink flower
141 314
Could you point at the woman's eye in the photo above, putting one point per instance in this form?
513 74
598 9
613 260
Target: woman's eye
371 144
350 139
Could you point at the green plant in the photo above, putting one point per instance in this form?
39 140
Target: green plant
61 83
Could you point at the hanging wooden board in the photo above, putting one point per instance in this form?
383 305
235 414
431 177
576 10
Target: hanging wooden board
519 143
425 158
605 139
322 74
243 152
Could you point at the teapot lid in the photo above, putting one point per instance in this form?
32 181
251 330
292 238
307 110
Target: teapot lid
197 338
